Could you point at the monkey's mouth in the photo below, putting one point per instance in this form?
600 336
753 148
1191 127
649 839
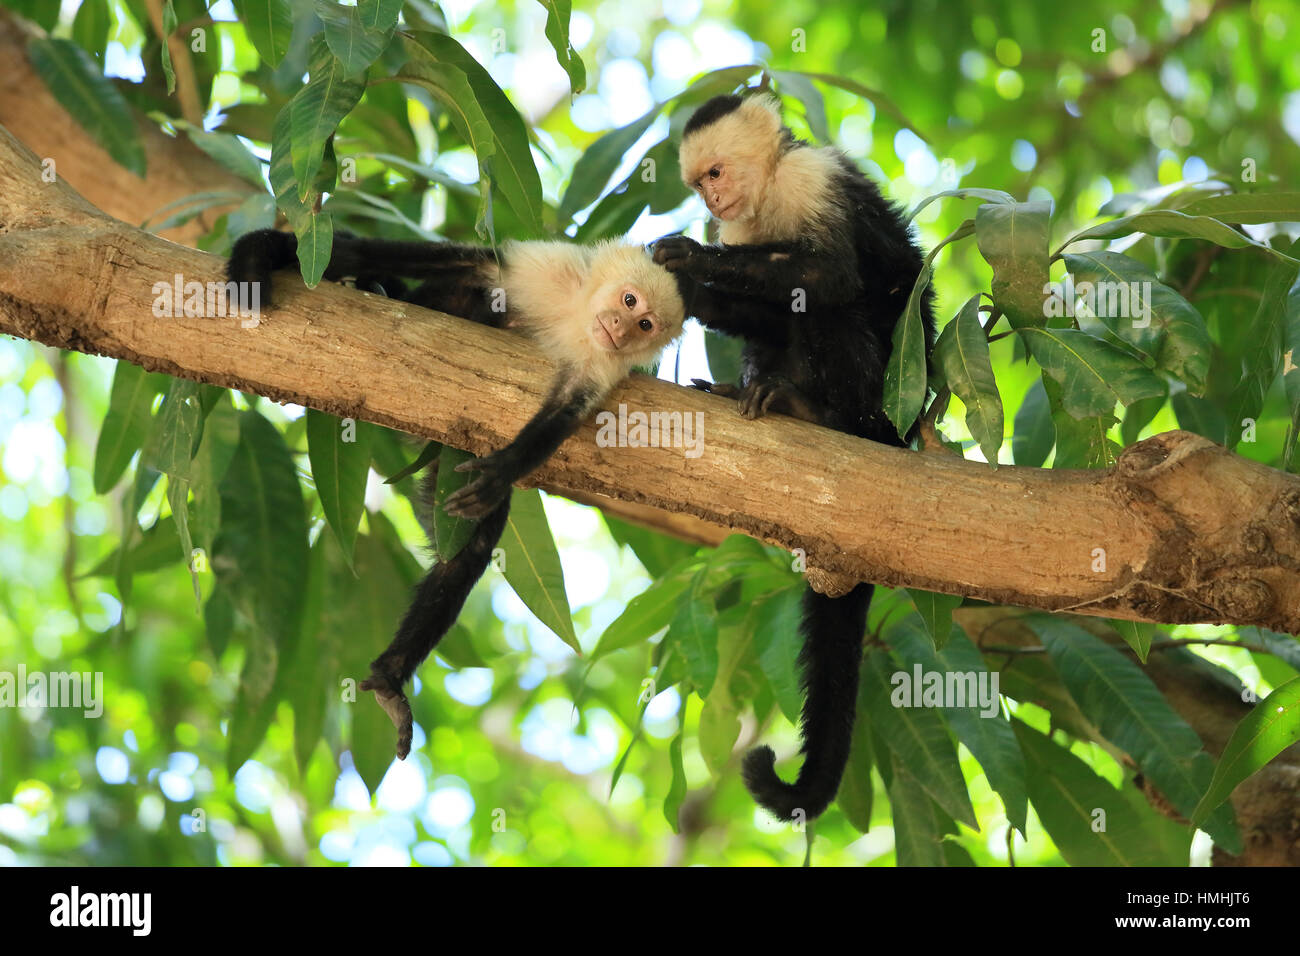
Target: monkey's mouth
722 213
602 336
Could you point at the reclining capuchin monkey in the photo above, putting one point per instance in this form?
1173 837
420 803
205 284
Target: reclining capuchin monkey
597 311
813 271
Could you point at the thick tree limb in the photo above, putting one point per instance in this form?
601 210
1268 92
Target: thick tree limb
1180 530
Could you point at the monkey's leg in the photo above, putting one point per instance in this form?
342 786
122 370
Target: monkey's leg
438 599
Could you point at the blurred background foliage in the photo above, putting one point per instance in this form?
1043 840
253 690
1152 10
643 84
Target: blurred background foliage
199 758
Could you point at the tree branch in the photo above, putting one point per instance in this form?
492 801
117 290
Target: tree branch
1180 530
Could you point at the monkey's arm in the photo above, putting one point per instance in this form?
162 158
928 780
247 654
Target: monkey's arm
568 403
773 271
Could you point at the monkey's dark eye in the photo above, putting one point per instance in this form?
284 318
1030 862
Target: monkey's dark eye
646 325
629 300
715 172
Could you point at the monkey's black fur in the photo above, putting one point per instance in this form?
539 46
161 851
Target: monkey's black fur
826 365
454 286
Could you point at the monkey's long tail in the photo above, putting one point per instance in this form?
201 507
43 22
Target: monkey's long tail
832 653
438 599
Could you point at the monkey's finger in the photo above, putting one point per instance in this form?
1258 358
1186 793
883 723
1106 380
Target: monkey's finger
703 384
474 464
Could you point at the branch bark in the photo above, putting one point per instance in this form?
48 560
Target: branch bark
1180 530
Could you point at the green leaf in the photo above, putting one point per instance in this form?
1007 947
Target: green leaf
649 612
1157 321
1248 207
226 150
1291 370
1013 239
918 839
1034 433
1177 225
677 790
339 467
130 408
657 552
168 29
778 642
594 167
1263 356
269 24
905 374
936 613
263 542
171 441
857 794
801 88
485 117
316 111
987 736
531 565
428 453
209 466
314 665
962 353
90 27
1132 714
74 78
450 533
1094 375
919 739
379 15
988 195
1272 726
694 633
353 44
883 103
557 31
1091 822
157 548
1139 415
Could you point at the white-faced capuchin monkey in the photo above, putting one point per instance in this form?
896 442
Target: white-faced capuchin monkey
813 271
597 311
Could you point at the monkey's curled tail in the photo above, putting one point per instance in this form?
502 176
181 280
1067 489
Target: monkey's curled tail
832 653
438 599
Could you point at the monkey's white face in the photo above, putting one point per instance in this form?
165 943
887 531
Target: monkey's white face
721 186
625 322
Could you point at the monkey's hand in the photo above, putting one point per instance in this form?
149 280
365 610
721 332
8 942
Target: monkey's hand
676 253
482 494
716 388
396 706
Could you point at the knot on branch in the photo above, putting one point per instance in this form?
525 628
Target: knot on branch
1240 598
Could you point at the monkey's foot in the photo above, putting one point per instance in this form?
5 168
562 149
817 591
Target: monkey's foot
395 705
482 494
716 388
776 396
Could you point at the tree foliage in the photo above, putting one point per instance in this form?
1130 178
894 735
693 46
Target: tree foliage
1106 194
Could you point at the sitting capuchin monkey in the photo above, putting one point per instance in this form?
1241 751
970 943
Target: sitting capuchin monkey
813 270
596 311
